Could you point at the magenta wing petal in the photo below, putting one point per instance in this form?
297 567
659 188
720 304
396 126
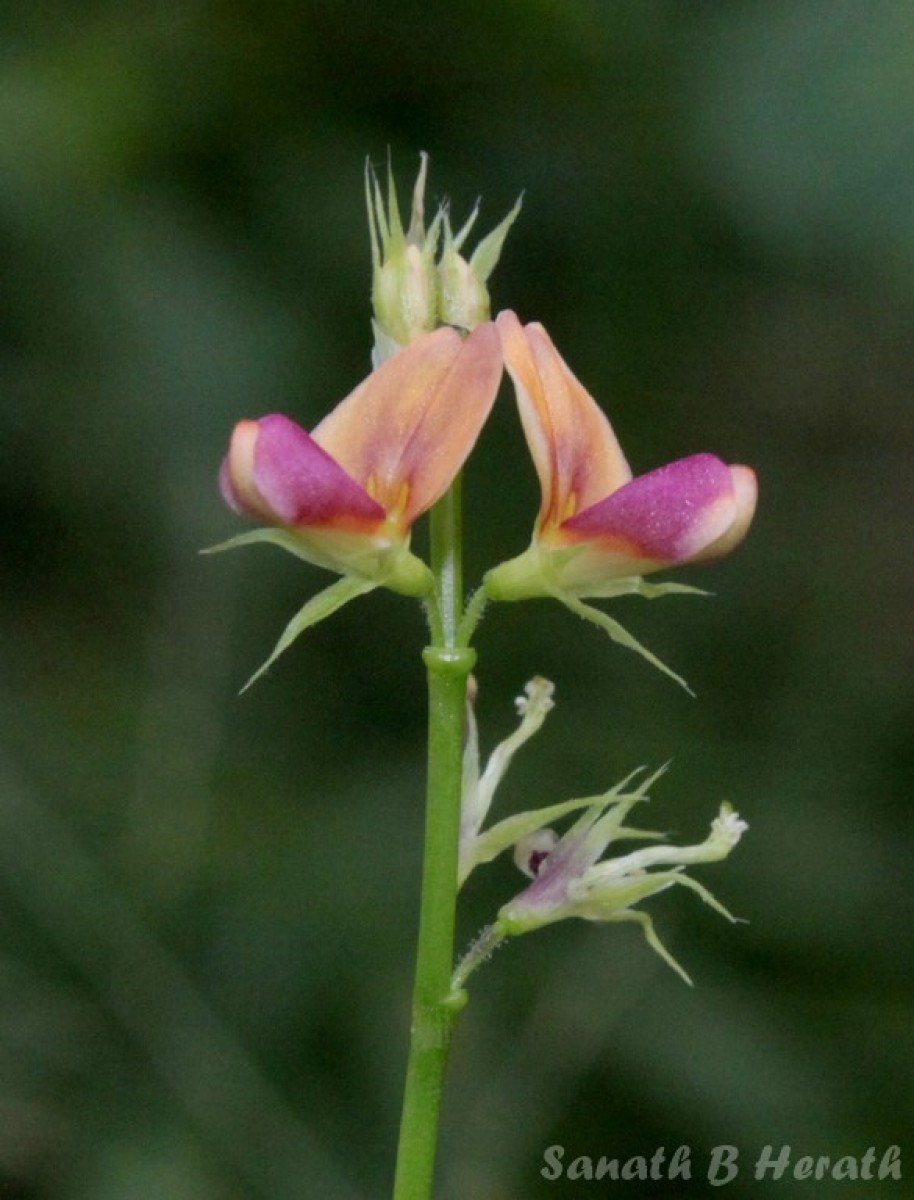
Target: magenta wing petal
301 484
668 515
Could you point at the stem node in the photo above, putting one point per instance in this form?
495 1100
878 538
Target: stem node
449 661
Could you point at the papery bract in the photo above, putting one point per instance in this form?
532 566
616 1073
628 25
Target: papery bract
478 787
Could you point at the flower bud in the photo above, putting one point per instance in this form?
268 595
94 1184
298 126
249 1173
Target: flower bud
404 291
463 297
411 294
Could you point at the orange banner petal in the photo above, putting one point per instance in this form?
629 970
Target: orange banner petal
575 452
405 432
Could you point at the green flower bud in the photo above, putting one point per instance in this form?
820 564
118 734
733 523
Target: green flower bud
463 297
404 292
411 294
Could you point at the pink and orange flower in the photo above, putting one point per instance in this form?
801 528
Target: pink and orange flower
598 527
346 495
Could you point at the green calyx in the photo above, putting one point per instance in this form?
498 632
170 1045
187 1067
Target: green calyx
538 574
390 565
380 561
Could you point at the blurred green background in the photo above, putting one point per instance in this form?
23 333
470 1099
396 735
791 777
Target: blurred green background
208 903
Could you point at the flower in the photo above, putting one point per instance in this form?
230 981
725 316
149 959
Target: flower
599 530
569 880
569 876
346 495
598 525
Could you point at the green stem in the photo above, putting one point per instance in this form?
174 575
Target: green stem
472 616
434 1006
447 561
